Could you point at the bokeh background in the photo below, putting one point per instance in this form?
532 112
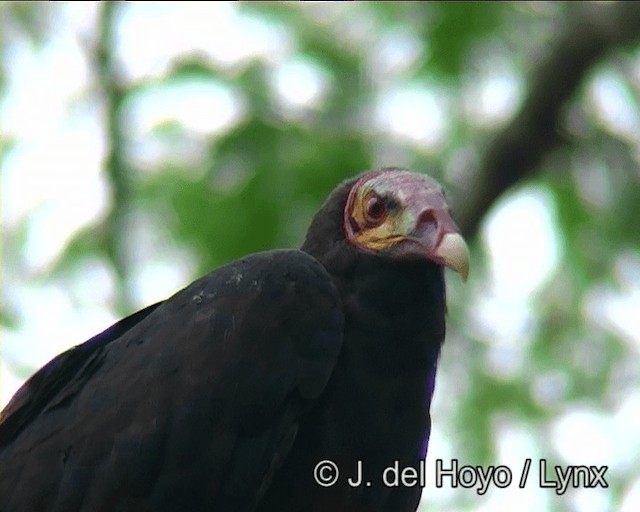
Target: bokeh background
144 144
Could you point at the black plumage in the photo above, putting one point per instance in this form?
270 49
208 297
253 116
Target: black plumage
226 396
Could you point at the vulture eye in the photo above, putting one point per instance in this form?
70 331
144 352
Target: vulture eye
376 210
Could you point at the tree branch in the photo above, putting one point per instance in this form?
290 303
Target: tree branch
593 30
116 223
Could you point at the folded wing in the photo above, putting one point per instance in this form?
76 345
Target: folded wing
190 404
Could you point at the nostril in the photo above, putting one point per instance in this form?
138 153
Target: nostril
427 224
427 217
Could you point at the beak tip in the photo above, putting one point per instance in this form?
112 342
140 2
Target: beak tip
454 253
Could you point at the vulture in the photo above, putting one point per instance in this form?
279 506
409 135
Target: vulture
285 381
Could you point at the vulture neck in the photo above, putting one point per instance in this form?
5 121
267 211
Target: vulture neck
394 310
402 304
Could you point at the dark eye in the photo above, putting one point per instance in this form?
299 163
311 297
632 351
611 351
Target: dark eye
376 209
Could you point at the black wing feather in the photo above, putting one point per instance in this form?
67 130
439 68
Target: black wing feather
60 378
188 406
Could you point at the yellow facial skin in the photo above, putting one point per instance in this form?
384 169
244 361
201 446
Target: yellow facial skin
377 235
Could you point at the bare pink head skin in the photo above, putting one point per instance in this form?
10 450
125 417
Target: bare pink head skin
404 216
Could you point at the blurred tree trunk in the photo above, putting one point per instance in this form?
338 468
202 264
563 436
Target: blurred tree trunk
117 223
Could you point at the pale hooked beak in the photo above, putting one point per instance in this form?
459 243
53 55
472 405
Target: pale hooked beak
454 253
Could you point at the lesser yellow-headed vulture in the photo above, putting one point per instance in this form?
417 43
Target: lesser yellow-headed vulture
226 396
